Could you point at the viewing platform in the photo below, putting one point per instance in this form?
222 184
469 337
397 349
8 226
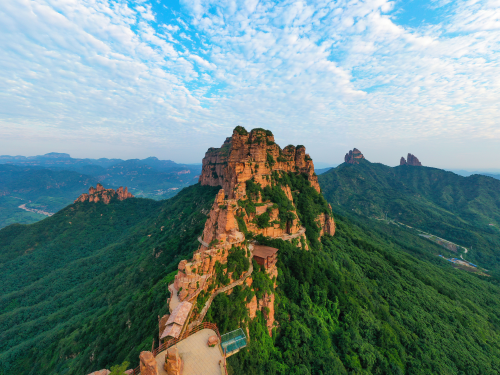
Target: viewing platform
197 356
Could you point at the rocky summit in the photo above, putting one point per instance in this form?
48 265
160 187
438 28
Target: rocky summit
353 156
255 199
411 160
252 155
104 195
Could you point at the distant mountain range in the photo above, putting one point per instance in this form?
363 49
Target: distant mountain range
47 183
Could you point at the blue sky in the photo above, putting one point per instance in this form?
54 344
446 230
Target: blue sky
102 78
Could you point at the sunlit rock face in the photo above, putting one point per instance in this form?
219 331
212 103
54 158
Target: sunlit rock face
252 155
104 195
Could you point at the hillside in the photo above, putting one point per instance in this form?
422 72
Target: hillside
79 288
348 295
459 209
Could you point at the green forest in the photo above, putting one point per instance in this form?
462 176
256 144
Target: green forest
464 210
82 290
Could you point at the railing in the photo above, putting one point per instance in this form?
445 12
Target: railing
185 335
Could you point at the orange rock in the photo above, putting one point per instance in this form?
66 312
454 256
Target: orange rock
148 364
105 195
252 307
245 156
353 157
267 305
326 223
213 340
173 362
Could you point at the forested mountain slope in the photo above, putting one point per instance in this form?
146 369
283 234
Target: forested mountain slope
82 289
459 209
372 300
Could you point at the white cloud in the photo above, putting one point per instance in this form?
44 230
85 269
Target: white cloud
344 69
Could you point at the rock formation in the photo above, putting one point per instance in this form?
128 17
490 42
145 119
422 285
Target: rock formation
101 372
246 155
353 156
213 340
245 165
148 364
173 362
411 160
105 195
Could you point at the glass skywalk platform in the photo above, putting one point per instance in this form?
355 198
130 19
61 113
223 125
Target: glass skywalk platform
232 342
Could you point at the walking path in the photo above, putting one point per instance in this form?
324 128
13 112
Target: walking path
174 298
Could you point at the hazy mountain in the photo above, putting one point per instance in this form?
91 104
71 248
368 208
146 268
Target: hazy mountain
45 184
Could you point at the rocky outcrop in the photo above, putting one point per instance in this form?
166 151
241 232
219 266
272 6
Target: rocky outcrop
105 195
267 304
237 213
326 223
252 307
353 156
252 155
173 362
148 364
411 160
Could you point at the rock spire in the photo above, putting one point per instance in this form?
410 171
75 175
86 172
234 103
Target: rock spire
411 160
252 155
353 156
105 195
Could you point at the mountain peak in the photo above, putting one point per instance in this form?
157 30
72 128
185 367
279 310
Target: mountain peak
411 160
353 156
252 155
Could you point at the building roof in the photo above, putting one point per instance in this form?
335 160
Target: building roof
172 330
180 313
264 251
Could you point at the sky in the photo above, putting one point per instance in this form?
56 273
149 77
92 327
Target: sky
133 79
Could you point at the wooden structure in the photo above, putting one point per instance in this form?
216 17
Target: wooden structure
177 321
265 256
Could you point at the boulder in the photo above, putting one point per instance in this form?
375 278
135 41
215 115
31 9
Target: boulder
173 362
213 340
148 364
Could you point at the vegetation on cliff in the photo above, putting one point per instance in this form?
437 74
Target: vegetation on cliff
365 304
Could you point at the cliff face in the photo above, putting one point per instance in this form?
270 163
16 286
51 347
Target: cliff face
252 155
353 156
411 160
105 195
255 199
